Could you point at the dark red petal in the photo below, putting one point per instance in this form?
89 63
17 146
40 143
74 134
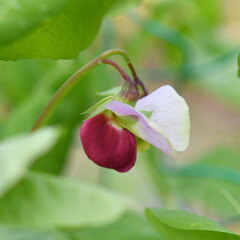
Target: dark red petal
107 144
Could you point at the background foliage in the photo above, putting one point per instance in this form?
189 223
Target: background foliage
49 189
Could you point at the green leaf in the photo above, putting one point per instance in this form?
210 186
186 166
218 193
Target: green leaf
17 153
212 182
42 200
164 33
131 226
120 7
12 233
53 31
224 83
20 16
180 225
202 170
239 65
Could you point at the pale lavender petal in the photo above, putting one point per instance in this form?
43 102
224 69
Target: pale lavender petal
141 126
170 113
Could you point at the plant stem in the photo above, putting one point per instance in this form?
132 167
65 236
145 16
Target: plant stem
72 81
139 83
129 92
120 70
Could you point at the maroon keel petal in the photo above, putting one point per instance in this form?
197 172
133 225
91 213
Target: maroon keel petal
107 144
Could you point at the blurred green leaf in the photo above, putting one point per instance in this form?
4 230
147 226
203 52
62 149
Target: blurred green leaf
12 233
199 25
19 17
154 164
15 78
173 37
123 6
55 160
239 65
212 182
131 226
54 31
180 225
210 12
216 196
167 34
201 170
24 113
17 153
220 78
42 200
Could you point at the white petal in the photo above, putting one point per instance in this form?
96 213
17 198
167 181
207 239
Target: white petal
141 126
170 113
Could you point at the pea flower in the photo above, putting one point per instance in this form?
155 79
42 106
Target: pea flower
109 137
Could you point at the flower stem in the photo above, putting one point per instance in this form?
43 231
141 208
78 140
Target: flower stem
73 81
129 92
120 70
139 83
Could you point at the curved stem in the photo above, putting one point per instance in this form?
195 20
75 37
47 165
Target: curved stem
137 80
131 68
120 70
72 81
129 92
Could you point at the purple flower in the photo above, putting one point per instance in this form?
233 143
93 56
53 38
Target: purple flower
160 118
108 144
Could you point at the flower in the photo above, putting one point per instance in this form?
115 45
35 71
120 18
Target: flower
160 118
108 144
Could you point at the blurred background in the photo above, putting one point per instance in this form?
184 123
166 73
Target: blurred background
192 45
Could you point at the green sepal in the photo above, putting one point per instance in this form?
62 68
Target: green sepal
142 145
128 122
148 114
113 91
98 107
